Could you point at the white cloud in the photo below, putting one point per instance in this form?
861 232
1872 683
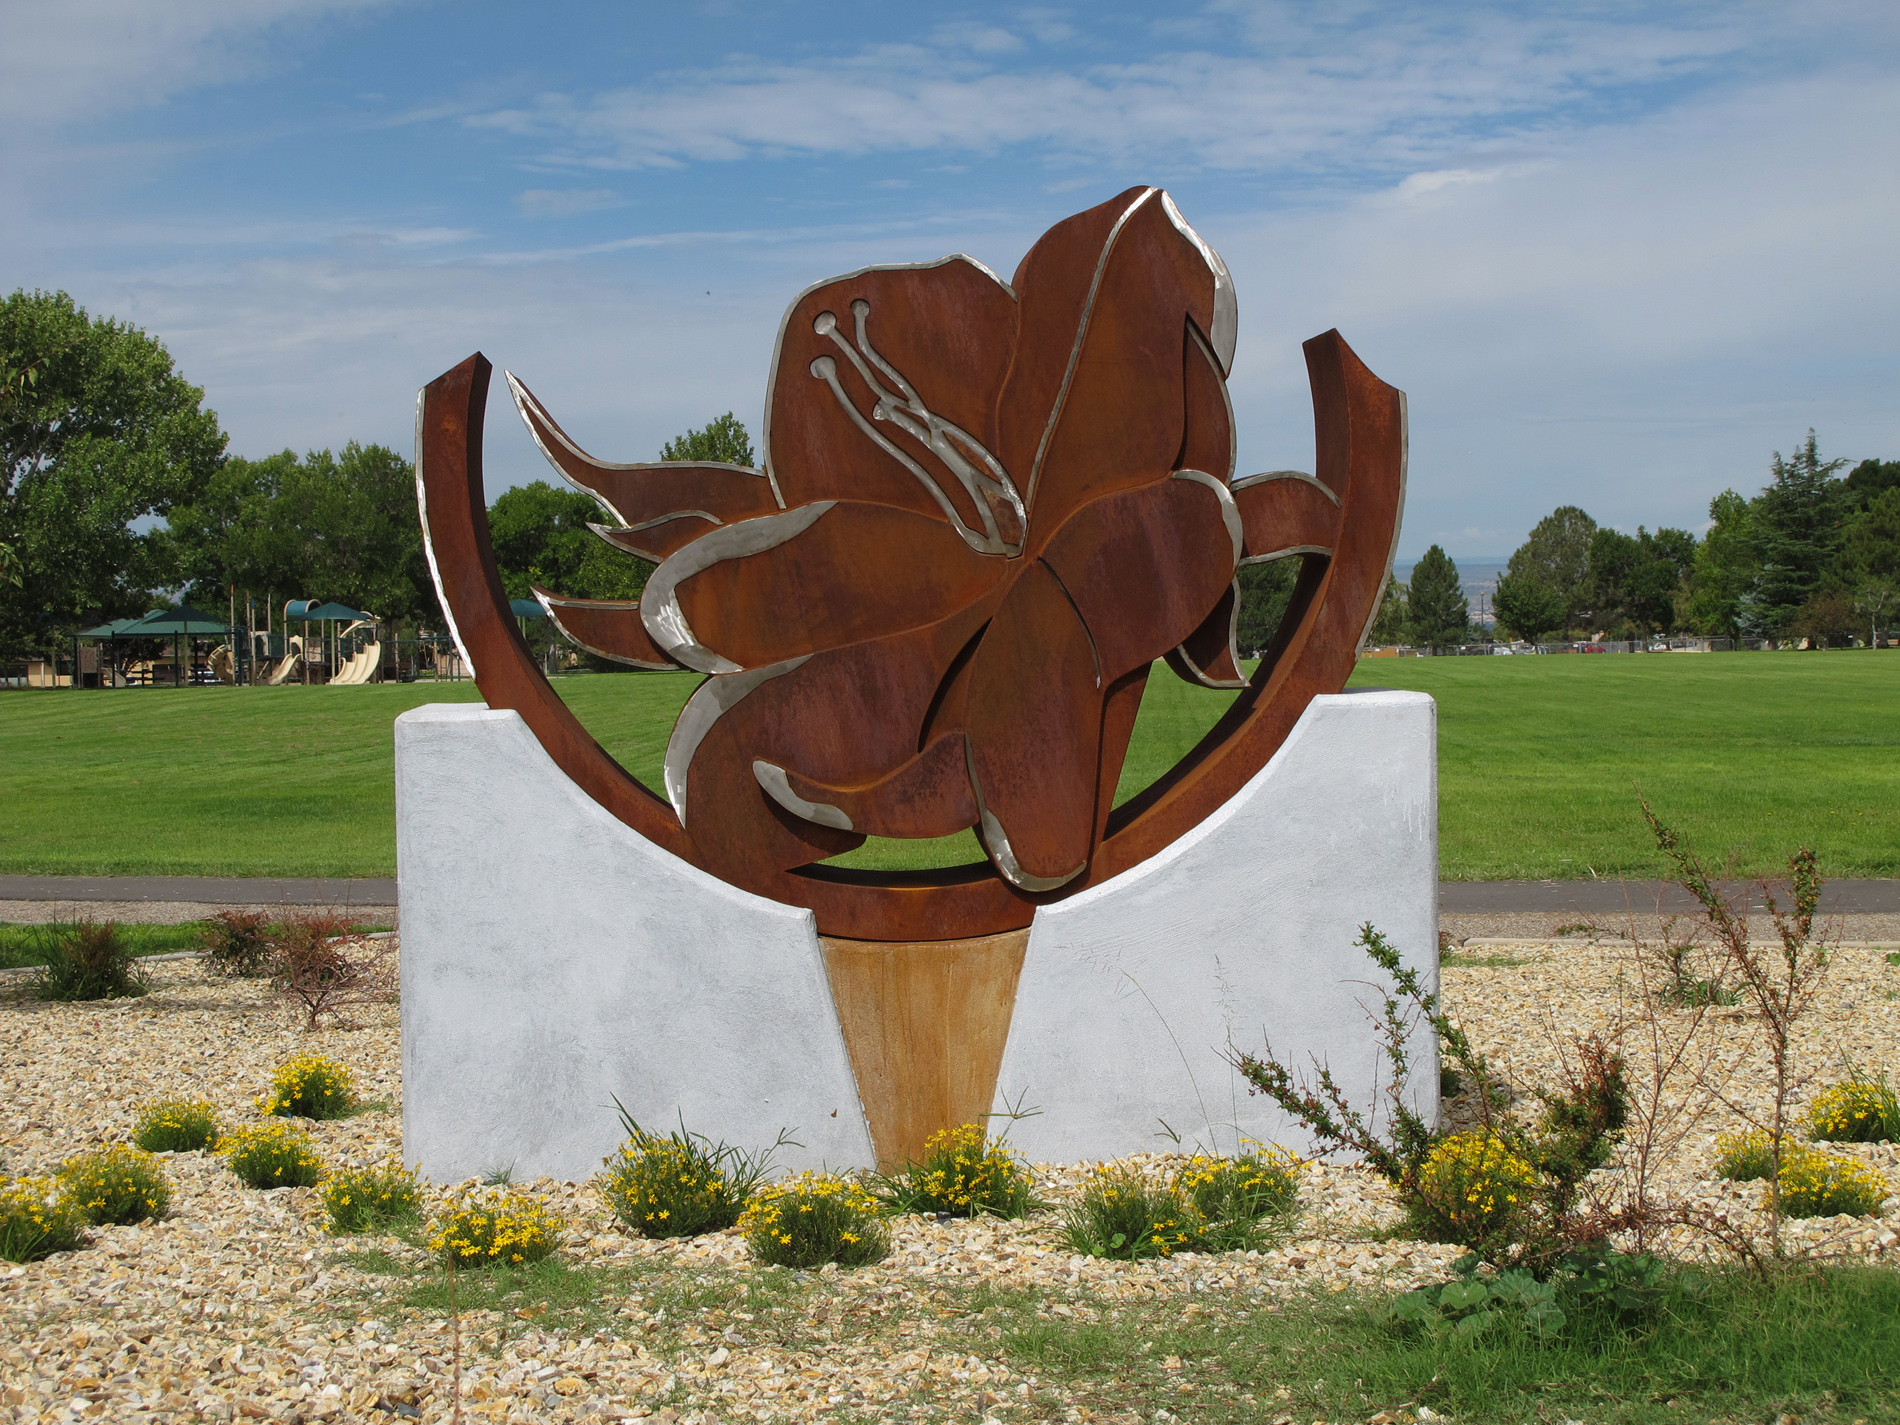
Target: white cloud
81 59
1395 92
566 202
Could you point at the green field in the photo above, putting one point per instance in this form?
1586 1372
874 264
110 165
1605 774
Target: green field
1749 754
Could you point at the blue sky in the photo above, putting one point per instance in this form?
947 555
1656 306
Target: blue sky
1616 254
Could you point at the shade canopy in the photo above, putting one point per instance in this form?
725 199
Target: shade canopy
180 618
310 611
527 608
114 629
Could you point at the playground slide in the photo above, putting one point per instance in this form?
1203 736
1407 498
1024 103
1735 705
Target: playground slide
361 666
287 665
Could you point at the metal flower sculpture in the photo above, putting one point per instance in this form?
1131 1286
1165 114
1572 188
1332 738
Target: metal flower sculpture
987 509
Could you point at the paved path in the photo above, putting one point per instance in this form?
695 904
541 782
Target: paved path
1454 897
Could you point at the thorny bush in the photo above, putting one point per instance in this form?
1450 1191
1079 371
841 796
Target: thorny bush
237 944
323 963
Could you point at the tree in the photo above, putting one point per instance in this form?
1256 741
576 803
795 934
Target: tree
1869 480
325 526
1870 548
1724 567
1389 626
1557 555
1528 607
1798 517
541 536
723 440
1265 591
97 430
1634 582
1437 609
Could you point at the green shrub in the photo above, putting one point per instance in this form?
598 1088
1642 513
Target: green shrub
85 961
1592 1287
368 1199
965 1172
1474 1191
116 1184
36 1220
489 1227
1246 1188
177 1126
1815 1184
1860 1110
237 944
680 1185
272 1155
1123 1212
310 1086
1746 1157
812 1219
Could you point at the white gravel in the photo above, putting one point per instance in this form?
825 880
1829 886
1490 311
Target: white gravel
239 1306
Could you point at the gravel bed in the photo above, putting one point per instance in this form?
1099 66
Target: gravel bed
239 1306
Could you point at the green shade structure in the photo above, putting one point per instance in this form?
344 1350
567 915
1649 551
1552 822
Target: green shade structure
311 611
179 619
115 629
527 608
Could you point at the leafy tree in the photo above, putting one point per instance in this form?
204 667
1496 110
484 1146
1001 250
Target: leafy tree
1826 620
1557 555
1634 582
1439 613
1870 548
1265 591
97 430
1724 567
723 439
1528 607
1389 626
1799 519
1869 480
541 536
326 526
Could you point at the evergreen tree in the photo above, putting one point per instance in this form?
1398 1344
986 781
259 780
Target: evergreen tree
1265 591
1799 522
1437 610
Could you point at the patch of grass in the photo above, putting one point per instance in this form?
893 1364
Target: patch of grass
1817 1345
1457 960
299 781
23 945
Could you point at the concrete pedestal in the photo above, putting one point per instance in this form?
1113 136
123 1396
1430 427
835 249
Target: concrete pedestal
554 959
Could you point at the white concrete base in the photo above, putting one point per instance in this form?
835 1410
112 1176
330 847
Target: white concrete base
553 958
1240 934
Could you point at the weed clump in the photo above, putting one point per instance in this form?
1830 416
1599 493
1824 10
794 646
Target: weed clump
1858 1111
86 960
489 1227
1816 1184
1243 1189
36 1220
272 1155
1744 1157
177 1126
964 1172
1125 1213
310 1086
368 1199
237 944
812 1219
115 1184
682 1184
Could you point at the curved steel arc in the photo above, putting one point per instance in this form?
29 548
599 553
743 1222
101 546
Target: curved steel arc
1360 438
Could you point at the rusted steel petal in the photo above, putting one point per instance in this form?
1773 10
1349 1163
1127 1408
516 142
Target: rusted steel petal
1207 656
846 717
608 628
1286 512
659 504
884 389
1207 435
849 573
1035 720
1096 400
1143 567
1119 710
929 795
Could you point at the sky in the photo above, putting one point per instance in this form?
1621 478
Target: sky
1615 254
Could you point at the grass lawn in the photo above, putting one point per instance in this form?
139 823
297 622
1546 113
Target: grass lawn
1748 754
27 944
